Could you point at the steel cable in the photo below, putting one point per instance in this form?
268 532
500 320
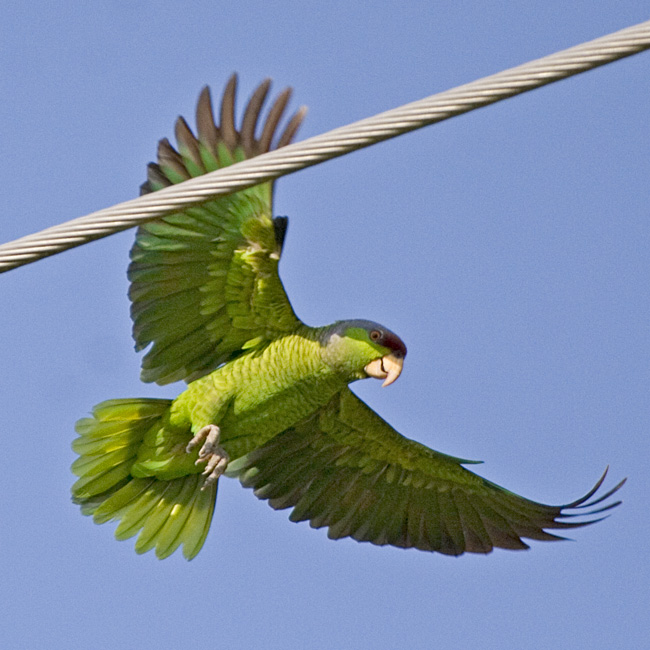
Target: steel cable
337 142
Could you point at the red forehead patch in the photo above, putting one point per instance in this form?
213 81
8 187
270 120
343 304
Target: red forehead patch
392 342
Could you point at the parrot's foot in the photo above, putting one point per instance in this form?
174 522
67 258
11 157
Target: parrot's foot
211 453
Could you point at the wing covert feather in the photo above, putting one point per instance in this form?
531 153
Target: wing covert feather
347 469
204 282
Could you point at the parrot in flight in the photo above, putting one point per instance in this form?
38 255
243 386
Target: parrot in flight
267 399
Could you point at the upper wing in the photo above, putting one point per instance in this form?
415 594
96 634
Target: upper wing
204 282
347 469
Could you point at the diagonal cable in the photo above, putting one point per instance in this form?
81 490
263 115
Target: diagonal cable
337 142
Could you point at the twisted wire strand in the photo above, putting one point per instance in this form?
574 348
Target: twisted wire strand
337 142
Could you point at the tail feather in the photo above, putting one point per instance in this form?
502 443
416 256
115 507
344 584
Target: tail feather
90 505
165 513
159 514
115 422
192 535
177 528
97 465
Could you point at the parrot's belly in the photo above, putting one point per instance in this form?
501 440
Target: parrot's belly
257 397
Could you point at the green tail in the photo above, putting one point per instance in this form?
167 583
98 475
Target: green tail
165 513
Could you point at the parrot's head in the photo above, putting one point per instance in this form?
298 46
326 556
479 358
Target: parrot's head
361 348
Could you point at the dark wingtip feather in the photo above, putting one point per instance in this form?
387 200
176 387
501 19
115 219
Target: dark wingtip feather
209 134
275 114
292 128
595 511
586 497
605 496
170 158
173 166
227 118
187 143
246 135
155 176
251 116
586 502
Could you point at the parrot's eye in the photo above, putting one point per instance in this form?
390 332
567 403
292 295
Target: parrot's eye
375 335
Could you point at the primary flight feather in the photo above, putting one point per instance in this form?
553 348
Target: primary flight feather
268 398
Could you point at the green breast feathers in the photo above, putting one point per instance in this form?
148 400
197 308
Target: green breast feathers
267 399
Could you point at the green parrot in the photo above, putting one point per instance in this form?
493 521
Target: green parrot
267 398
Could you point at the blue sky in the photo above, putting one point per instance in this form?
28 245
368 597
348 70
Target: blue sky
509 248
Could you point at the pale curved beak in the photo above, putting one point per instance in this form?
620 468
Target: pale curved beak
387 368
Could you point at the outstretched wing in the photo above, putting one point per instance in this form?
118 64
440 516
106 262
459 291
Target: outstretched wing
347 469
204 282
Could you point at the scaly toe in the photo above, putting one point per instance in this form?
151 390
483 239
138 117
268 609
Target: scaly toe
215 466
209 435
211 445
211 453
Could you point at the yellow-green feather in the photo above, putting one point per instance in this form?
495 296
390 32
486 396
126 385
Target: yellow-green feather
204 281
163 513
